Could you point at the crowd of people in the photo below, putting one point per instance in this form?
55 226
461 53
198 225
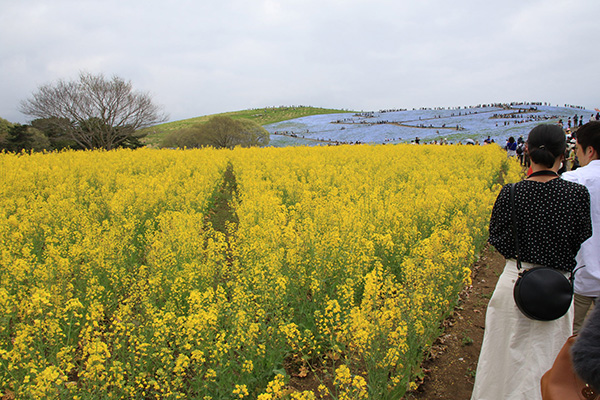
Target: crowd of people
521 118
576 120
516 148
557 222
557 207
329 142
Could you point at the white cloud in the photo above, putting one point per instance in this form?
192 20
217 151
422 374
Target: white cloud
206 57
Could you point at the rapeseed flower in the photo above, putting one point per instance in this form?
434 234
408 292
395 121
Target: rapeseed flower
116 283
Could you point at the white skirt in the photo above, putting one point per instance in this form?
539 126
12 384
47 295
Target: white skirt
516 350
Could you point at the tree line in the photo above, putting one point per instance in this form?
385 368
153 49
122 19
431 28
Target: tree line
220 132
43 134
93 112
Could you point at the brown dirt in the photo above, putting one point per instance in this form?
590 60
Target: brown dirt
450 369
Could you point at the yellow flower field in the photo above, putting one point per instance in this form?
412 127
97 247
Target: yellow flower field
210 274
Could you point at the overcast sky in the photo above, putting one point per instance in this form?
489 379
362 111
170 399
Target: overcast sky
202 57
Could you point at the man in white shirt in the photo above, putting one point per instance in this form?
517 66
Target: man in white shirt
587 279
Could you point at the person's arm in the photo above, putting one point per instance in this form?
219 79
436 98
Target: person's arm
500 224
584 218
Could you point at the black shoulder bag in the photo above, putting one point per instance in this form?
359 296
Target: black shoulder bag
541 293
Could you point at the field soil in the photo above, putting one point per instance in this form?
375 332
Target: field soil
449 372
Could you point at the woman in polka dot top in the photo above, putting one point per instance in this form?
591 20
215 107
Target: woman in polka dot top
553 220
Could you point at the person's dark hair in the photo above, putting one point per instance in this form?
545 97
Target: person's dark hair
545 143
586 350
511 139
589 135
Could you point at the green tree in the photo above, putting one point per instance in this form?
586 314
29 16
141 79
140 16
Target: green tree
39 141
220 132
19 138
24 137
4 128
95 112
190 137
58 137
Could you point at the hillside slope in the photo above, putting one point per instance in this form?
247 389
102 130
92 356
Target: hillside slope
262 116
452 125
309 126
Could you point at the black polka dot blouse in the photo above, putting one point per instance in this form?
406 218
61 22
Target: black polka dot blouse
553 219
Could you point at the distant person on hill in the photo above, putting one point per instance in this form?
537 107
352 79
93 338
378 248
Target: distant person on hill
587 279
511 147
516 350
521 151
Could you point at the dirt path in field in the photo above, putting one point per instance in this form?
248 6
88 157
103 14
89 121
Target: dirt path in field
221 212
450 371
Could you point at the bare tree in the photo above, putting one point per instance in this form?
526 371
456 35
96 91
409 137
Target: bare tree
96 112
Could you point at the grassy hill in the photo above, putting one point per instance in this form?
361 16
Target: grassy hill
262 116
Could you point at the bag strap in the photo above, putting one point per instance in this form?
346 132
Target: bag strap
514 223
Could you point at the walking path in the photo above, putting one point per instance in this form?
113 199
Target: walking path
328 141
423 126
